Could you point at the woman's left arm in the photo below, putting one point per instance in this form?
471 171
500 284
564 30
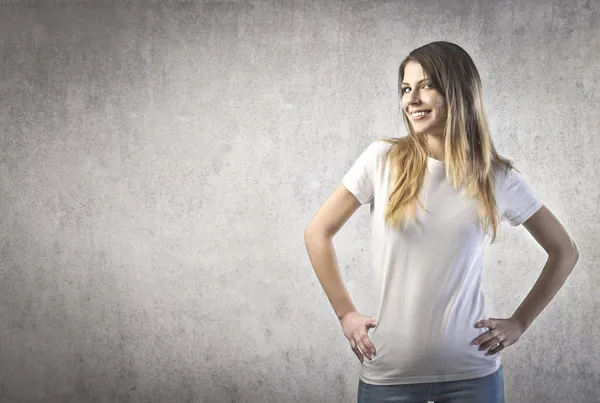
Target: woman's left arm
563 254
562 257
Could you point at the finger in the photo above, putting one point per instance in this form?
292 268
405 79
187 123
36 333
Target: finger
496 349
366 341
490 324
483 338
490 343
356 350
364 349
358 354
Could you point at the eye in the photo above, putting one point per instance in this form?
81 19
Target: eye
424 85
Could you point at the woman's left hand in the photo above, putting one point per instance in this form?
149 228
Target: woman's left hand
506 332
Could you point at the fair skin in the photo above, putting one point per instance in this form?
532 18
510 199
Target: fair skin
418 94
337 209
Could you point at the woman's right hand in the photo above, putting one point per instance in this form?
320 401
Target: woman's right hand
356 327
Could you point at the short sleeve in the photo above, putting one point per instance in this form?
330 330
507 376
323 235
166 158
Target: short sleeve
359 178
518 199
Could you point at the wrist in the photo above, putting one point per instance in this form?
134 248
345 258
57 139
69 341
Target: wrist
522 322
343 315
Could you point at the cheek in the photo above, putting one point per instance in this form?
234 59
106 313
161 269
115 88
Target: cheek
438 118
440 112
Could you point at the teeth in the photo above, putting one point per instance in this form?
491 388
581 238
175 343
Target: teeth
417 114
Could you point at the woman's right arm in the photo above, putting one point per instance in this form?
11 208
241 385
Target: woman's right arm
318 238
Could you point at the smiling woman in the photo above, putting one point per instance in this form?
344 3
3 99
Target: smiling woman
425 106
428 261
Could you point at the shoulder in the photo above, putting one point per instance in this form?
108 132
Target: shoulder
508 177
504 174
373 152
379 148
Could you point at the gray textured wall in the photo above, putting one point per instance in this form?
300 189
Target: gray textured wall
159 162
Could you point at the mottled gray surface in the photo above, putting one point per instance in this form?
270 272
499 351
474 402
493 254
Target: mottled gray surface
159 162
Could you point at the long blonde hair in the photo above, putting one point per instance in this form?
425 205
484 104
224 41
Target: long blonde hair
470 155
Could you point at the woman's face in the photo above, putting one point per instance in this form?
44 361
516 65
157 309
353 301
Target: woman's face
419 95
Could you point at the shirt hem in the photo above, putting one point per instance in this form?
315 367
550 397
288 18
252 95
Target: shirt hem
462 376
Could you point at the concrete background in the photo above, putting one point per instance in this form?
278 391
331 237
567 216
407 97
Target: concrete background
160 160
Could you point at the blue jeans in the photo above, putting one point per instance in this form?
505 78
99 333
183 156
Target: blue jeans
487 389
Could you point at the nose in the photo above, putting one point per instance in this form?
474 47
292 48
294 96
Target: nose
412 99
412 105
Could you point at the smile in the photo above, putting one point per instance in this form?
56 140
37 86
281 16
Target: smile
419 115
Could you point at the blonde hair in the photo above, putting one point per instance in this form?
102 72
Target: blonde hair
470 156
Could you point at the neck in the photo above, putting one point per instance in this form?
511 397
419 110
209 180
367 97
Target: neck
436 147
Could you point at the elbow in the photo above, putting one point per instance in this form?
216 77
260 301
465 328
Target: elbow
568 253
308 234
575 252
312 232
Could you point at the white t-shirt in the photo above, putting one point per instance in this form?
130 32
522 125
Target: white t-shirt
428 280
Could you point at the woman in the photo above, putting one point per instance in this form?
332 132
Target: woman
436 197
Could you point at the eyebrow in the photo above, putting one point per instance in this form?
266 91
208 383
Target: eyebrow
420 81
